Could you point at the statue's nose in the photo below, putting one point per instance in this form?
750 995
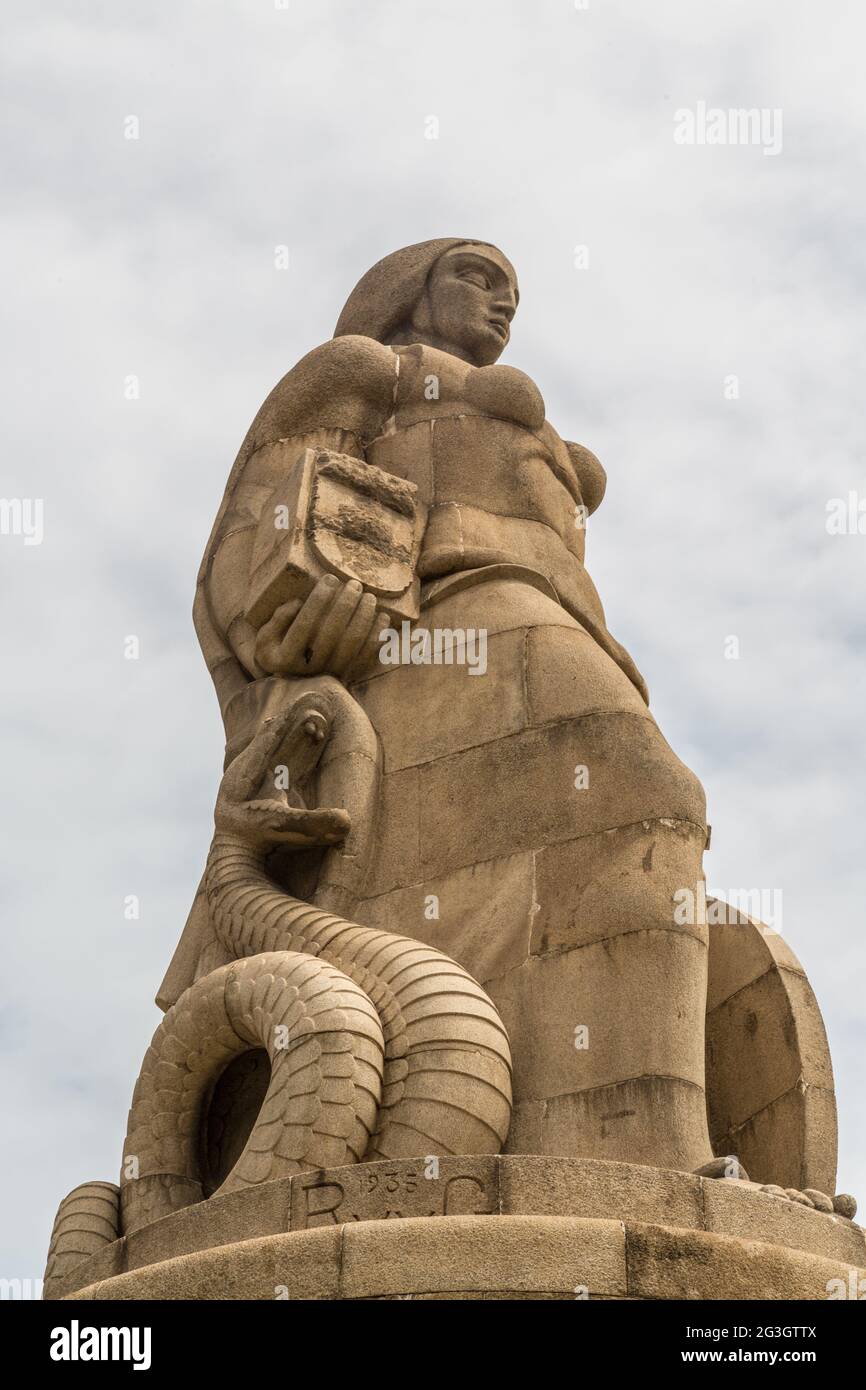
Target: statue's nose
504 303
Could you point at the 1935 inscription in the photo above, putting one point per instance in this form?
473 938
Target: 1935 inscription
377 1191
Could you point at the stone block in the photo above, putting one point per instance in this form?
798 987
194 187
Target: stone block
484 914
221 1220
567 674
636 1120
431 711
615 881
610 988
476 1253
503 604
791 1141
526 1135
740 952
522 486
398 860
385 1191
584 1187
676 1264
778 1020
738 1209
304 1265
519 792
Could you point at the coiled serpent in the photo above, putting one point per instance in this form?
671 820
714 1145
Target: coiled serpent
380 1046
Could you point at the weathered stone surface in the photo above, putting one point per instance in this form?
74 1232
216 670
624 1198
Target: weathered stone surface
481 915
466 1255
667 1263
399 858
409 1195
548 1000
743 949
606 884
526 1135
304 1265
223 1220
639 1117
498 798
475 1253
793 1139
441 912
406 1188
586 1187
566 675
478 1257
461 709
759 1012
763 1024
511 600
737 1209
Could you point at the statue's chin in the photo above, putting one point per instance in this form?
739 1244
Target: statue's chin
486 349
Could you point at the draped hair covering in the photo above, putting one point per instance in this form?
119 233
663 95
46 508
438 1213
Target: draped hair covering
383 299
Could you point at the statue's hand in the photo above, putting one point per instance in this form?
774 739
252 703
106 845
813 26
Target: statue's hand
329 631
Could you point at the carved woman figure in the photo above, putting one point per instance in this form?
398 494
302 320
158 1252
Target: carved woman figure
442 895
532 823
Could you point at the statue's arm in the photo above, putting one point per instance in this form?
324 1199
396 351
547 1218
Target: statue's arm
334 398
226 587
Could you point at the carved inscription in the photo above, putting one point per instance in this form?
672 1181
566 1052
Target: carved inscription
380 1191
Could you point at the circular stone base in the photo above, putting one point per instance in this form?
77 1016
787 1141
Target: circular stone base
509 1227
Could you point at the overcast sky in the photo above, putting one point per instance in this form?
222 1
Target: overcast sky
306 126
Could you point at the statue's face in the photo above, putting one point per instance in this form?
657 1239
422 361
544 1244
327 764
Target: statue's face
469 302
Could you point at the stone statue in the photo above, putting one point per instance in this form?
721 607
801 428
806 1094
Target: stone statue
438 917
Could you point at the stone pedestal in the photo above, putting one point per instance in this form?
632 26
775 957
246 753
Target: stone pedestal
508 1227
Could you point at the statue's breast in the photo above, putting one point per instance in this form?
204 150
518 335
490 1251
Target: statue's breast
476 436
433 384
506 394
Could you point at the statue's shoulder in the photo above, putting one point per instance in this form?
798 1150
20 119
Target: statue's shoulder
346 383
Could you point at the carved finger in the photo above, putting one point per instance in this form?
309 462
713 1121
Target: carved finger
296 651
369 652
272 633
336 621
356 634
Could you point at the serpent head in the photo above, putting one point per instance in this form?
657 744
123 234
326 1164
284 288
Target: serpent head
259 798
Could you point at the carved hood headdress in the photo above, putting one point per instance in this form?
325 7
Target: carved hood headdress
385 296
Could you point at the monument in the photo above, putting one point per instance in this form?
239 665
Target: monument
451 1016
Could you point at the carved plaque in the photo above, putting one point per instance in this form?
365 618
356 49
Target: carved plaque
335 514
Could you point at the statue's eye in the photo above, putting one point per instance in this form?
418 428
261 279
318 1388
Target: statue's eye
476 277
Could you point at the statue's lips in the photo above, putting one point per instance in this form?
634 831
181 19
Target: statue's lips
500 326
